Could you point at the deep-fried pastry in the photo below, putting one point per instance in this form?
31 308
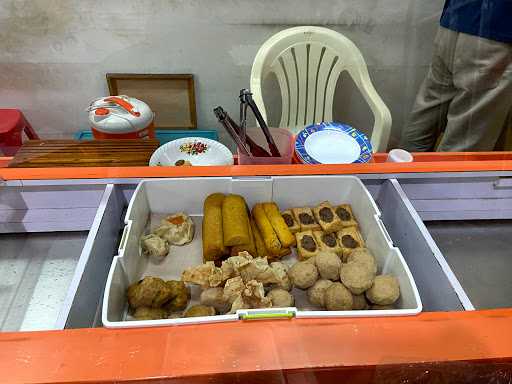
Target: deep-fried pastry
325 216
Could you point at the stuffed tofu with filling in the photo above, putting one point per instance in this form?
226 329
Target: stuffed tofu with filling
350 238
327 218
307 246
346 216
306 220
328 242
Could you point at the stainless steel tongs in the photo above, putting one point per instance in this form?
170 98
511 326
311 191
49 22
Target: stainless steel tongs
239 133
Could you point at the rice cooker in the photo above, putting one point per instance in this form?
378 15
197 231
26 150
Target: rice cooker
121 117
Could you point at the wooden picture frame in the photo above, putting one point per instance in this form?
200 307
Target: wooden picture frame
170 96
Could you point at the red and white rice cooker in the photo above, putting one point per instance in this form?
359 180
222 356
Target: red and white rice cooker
121 117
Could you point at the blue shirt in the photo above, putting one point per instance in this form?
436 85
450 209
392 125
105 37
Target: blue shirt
491 19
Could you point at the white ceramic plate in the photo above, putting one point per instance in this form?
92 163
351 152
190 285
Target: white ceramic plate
196 150
332 143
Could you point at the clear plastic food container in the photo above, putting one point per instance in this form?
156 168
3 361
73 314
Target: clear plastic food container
285 142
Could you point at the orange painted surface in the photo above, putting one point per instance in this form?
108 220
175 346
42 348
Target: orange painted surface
92 355
424 162
253 170
4 161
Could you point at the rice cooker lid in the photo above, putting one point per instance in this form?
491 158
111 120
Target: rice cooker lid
119 114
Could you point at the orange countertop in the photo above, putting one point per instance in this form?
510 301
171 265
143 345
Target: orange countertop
259 351
424 162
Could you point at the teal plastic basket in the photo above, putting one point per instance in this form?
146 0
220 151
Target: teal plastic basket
164 136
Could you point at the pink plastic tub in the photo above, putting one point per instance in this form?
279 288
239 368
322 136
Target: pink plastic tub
285 142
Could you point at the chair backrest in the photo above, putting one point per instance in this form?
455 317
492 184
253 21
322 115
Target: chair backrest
307 62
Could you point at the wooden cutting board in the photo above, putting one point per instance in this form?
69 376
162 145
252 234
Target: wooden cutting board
76 153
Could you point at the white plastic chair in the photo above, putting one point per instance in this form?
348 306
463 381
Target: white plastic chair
307 62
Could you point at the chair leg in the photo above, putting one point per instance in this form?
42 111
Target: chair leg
29 131
11 144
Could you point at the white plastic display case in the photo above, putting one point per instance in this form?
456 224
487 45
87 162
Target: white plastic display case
93 211
159 197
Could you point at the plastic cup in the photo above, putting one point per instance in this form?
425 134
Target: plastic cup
399 156
285 142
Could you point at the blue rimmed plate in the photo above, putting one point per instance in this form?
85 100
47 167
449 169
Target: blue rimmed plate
332 143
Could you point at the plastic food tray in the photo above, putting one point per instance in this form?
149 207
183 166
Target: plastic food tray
157 197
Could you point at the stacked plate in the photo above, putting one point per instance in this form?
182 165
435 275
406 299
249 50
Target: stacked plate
332 143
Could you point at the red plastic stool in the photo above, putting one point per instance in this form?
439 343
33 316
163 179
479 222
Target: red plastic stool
12 124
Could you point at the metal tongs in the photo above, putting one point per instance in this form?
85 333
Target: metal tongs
239 133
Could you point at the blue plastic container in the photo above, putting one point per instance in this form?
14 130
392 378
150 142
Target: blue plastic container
164 136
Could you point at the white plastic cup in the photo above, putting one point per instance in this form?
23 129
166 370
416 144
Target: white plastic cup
399 156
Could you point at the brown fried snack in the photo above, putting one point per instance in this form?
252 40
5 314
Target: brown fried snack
303 275
234 221
180 295
290 221
147 313
338 298
280 227
385 290
306 220
363 255
307 246
325 216
199 310
270 239
328 242
360 303
214 297
357 277
249 247
281 298
344 212
213 238
261 250
349 239
150 292
328 264
316 293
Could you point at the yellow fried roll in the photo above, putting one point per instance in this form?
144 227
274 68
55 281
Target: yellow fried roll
270 238
249 247
284 252
213 239
279 225
234 221
261 250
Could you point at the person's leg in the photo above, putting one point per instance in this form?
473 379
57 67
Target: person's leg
428 115
483 77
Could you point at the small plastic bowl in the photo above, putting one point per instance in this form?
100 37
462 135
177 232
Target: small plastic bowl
399 156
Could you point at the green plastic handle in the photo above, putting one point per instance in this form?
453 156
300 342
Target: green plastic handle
261 316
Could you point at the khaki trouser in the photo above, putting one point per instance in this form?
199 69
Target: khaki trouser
467 93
